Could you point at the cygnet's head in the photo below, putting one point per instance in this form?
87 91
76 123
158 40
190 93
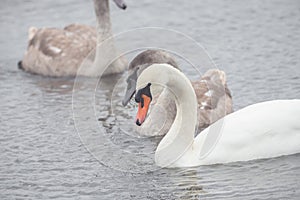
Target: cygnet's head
140 63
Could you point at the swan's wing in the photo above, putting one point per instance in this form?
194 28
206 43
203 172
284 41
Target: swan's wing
213 96
57 52
261 130
53 42
43 41
86 32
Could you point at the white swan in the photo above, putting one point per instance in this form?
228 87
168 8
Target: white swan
60 52
213 96
262 130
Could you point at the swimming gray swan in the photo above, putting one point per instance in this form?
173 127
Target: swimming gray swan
213 96
60 52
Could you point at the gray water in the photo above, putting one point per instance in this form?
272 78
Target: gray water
42 157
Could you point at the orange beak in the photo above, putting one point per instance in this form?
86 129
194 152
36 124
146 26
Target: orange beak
143 109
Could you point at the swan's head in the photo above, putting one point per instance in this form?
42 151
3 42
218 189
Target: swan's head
141 62
143 97
121 4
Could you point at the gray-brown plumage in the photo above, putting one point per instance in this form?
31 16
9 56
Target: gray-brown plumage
152 56
60 52
213 97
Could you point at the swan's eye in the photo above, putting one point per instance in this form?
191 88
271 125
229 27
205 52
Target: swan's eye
142 102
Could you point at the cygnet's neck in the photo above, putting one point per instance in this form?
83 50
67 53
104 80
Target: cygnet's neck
103 19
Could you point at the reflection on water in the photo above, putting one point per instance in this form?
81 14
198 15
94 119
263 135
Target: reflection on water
41 154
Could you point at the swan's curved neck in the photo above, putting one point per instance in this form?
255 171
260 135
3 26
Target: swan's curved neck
181 134
103 19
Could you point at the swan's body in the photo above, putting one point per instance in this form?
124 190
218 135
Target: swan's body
213 96
262 130
60 52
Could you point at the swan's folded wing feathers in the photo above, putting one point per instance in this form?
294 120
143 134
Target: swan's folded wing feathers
56 52
213 97
54 42
88 33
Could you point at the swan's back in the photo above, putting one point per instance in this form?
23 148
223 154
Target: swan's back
262 130
58 52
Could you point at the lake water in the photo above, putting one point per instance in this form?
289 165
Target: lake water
41 152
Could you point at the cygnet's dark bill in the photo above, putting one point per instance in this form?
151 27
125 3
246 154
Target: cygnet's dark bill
131 87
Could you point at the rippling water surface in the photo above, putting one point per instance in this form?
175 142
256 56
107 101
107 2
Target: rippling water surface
255 43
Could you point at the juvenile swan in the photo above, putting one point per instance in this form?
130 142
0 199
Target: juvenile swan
213 96
262 130
60 52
